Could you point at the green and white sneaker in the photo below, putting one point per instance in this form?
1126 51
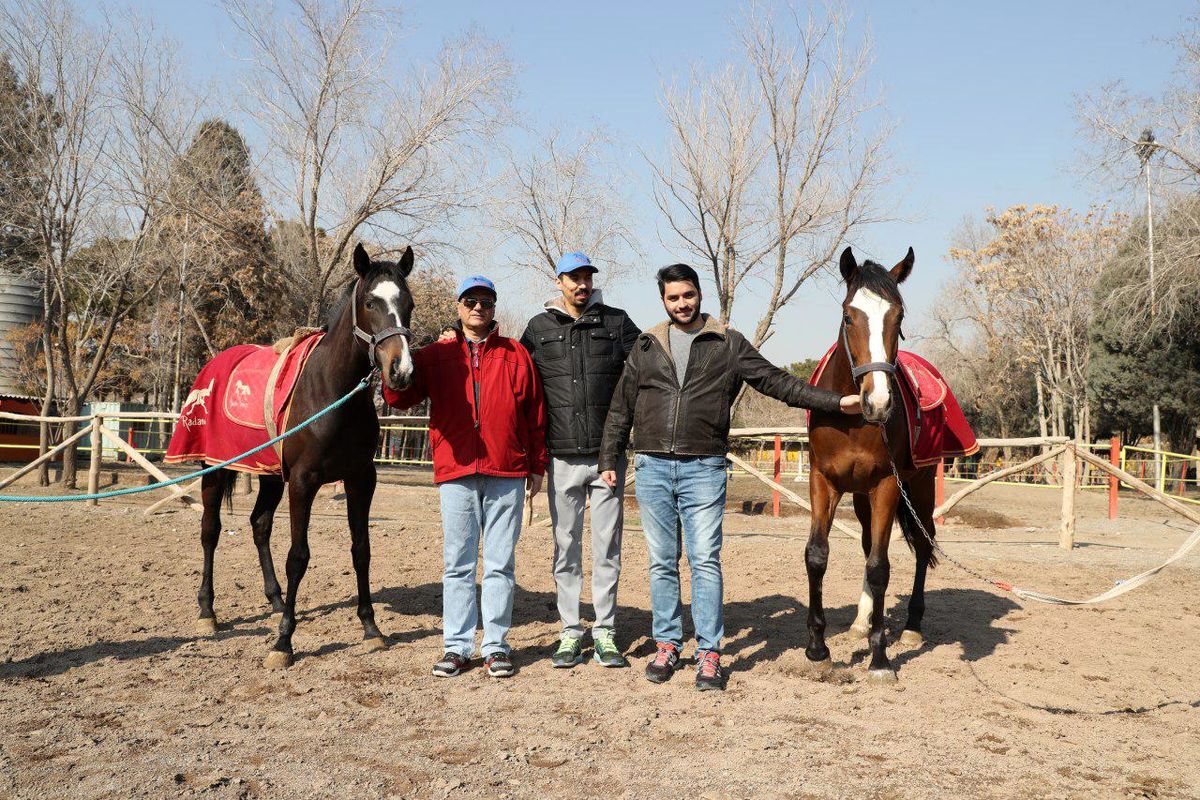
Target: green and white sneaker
606 653
569 652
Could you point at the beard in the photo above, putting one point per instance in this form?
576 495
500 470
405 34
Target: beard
686 318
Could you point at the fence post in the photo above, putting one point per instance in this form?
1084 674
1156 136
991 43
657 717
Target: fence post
778 472
247 486
1066 535
941 489
1114 458
94 465
131 444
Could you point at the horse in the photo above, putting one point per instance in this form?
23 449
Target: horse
868 457
368 330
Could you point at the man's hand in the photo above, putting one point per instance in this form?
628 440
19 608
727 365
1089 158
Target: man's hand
851 404
609 476
533 485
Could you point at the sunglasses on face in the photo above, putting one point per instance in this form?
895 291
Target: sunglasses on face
483 303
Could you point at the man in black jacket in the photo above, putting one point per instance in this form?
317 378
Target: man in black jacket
579 346
676 391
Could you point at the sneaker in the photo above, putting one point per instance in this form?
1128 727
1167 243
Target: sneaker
569 652
605 651
709 674
662 666
451 664
499 665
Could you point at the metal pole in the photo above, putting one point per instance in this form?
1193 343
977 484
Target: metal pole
1159 463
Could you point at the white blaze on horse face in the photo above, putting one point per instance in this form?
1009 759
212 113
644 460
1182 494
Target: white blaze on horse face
875 308
389 293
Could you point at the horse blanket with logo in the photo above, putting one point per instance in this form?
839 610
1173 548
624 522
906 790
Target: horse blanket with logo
239 401
937 427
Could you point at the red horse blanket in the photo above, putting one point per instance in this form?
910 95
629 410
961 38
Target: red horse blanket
937 427
226 412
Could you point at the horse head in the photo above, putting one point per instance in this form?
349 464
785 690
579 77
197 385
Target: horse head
383 307
871 316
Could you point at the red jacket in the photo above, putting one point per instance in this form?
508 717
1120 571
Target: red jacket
505 434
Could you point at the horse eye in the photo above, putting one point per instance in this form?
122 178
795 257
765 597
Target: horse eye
846 318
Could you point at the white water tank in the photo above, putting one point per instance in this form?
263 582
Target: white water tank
20 304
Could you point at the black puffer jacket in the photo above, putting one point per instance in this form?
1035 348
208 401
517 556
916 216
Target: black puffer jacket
693 419
580 362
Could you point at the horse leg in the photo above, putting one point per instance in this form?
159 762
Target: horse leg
883 513
262 518
359 491
303 486
862 620
824 500
922 492
212 491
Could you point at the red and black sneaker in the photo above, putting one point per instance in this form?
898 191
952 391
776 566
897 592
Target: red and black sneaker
662 666
709 674
450 665
499 665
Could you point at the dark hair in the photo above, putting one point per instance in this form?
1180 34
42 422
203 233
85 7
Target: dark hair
876 278
676 272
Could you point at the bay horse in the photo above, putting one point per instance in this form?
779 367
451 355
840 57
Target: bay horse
369 329
856 455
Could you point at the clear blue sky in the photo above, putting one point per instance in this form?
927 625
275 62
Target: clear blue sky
982 94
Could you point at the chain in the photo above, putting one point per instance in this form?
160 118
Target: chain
920 526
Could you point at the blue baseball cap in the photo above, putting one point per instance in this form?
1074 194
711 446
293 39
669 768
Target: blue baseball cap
573 261
476 282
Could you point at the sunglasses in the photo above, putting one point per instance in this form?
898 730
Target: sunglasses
483 303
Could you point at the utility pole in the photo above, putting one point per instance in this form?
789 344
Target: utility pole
1145 150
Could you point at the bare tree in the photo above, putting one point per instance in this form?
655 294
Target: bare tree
350 146
772 163
562 197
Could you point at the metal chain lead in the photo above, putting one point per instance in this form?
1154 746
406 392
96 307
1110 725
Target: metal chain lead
933 542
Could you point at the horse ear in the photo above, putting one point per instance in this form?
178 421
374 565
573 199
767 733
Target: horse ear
901 270
362 261
848 265
406 262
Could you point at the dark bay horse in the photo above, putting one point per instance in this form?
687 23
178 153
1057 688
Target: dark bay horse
369 328
856 454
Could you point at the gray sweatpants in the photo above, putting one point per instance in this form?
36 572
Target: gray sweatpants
571 481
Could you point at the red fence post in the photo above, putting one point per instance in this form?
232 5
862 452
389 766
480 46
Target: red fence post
127 458
940 496
1114 458
778 473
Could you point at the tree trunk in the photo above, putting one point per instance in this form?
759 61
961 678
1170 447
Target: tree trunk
48 398
74 404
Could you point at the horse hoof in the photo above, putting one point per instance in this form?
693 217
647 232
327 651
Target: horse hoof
277 659
881 677
912 638
819 668
375 643
859 631
206 626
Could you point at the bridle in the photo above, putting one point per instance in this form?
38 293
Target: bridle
373 341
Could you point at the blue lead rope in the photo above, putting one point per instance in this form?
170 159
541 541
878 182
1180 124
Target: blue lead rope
16 498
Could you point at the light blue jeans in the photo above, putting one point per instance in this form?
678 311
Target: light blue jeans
473 507
690 492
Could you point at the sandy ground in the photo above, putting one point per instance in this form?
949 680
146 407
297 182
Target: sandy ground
106 692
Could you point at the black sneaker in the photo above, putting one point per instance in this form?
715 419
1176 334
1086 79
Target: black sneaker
499 665
451 664
662 666
709 674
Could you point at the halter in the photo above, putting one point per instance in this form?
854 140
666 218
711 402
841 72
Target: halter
380 337
874 366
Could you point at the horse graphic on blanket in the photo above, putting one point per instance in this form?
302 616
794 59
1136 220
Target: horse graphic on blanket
249 387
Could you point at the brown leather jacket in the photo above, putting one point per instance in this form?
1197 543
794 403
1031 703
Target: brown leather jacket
693 419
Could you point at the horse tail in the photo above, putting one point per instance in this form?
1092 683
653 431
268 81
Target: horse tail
910 526
228 482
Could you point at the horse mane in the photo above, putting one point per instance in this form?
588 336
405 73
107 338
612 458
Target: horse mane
875 278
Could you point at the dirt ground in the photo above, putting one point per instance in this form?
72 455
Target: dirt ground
107 692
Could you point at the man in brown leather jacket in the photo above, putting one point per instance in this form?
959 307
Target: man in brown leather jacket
676 391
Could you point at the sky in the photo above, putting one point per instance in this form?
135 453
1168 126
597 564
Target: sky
982 97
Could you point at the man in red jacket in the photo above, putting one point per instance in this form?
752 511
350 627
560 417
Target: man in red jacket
487 424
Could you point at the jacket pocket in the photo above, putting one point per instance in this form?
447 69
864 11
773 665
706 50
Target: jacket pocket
601 342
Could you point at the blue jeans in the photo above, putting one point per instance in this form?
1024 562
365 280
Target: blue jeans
688 491
475 506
